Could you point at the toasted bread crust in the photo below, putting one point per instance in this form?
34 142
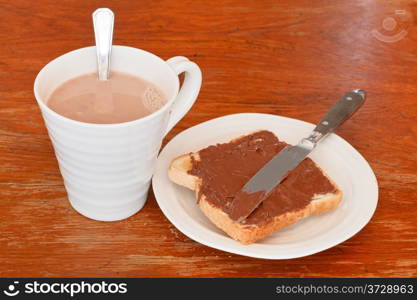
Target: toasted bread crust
178 171
246 234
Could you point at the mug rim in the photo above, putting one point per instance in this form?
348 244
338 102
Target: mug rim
106 125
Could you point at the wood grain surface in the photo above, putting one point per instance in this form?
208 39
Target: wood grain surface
290 58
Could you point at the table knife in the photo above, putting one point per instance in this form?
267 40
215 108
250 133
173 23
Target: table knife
259 187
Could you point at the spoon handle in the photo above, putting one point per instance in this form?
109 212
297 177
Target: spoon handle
103 20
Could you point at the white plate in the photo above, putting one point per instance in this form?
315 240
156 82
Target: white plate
339 160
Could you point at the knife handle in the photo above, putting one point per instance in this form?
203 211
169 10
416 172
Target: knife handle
338 113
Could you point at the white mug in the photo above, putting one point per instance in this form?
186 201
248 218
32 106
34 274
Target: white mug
107 168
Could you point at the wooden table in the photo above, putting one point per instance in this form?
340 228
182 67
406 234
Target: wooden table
290 58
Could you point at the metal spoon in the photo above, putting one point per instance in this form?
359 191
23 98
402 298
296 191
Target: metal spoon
103 22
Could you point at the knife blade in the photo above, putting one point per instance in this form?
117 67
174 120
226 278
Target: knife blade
260 186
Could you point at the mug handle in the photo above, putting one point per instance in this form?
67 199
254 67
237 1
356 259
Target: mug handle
189 90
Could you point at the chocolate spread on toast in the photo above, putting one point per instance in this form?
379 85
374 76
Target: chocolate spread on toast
225 168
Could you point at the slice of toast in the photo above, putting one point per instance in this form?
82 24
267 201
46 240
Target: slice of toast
180 172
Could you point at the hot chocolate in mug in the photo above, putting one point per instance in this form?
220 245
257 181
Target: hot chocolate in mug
107 168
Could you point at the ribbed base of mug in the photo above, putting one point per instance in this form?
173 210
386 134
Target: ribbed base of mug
118 215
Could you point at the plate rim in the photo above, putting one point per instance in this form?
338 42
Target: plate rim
372 186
